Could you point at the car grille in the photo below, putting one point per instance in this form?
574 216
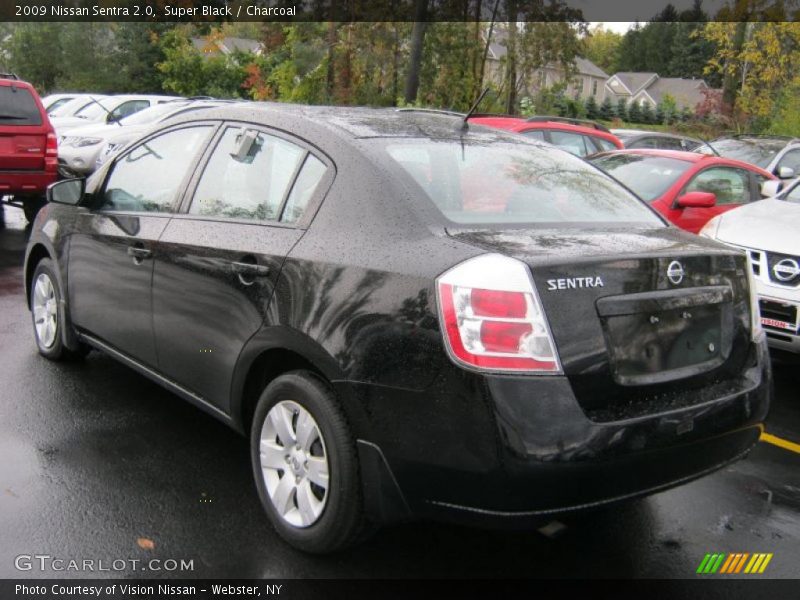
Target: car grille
780 269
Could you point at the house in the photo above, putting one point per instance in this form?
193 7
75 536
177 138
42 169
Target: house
226 45
650 88
588 79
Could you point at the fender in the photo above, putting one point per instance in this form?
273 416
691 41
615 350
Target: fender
49 241
281 337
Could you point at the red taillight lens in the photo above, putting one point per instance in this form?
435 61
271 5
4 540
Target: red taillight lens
51 153
501 336
492 317
496 303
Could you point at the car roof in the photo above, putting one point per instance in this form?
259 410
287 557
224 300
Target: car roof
631 133
691 157
352 122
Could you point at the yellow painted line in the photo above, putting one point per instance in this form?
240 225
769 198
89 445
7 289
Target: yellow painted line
780 442
765 563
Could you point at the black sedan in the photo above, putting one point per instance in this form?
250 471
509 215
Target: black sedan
409 316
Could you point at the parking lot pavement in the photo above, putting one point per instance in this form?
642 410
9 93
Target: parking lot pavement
100 463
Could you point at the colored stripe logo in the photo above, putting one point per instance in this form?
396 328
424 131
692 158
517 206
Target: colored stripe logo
737 562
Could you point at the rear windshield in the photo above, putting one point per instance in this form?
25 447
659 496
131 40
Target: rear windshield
756 152
17 107
648 176
476 181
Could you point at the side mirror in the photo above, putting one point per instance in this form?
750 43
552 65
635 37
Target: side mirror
697 200
111 118
771 187
66 191
785 172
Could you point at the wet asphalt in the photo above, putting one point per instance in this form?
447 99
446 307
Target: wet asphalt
97 462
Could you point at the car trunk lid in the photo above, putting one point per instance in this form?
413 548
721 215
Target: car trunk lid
642 319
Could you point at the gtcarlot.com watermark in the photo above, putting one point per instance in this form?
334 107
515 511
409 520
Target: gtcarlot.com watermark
45 562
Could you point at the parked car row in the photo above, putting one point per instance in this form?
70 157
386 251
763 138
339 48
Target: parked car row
69 134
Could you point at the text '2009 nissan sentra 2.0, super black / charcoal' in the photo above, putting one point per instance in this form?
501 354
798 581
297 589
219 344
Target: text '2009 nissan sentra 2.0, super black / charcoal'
409 317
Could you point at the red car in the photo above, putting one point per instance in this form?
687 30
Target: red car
581 138
687 188
28 147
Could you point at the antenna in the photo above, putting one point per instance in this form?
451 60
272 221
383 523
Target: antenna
464 124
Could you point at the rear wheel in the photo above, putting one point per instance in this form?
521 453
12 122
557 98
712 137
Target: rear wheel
47 314
305 465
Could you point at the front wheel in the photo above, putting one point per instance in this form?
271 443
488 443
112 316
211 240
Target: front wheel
305 464
47 315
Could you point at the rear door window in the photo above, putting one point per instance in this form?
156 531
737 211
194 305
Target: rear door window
604 144
248 176
17 107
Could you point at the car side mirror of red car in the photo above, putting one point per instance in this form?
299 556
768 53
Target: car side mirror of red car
697 200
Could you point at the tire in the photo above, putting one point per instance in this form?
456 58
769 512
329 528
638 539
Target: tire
31 207
46 316
311 518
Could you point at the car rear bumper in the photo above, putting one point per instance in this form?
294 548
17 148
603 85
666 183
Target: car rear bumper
517 450
25 182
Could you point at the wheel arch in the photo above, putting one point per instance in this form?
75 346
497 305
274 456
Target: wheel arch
35 255
278 350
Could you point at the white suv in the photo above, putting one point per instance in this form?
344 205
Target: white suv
768 232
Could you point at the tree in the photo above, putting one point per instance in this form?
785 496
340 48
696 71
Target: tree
757 60
647 115
622 109
601 46
417 41
592 111
635 113
668 109
607 109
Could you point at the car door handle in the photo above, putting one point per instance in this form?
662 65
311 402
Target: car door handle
138 253
250 269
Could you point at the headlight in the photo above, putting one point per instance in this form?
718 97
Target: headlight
82 142
710 229
755 313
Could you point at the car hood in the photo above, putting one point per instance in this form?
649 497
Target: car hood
101 130
770 225
62 124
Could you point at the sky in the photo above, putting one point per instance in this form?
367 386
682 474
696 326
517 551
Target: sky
615 26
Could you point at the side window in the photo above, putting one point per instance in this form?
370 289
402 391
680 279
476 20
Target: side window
792 160
668 143
304 187
571 142
794 194
605 145
536 134
128 108
731 186
148 178
247 176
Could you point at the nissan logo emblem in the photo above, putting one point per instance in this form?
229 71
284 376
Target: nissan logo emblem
786 270
675 272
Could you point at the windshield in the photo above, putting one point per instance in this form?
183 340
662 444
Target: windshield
648 176
756 152
150 115
792 194
475 182
95 110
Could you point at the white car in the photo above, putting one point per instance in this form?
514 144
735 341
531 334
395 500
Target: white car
74 105
85 148
53 101
107 110
768 232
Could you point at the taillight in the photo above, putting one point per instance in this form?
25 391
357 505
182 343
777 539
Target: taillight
51 153
492 317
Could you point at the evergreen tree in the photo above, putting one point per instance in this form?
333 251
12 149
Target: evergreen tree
607 109
647 113
622 109
634 113
659 115
592 111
